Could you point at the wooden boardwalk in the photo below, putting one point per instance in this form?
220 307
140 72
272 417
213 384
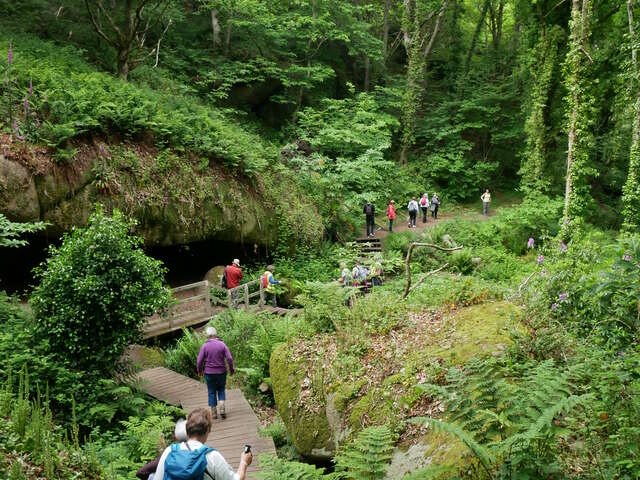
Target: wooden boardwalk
227 436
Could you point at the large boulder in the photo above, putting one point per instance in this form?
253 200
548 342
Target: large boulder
18 195
214 275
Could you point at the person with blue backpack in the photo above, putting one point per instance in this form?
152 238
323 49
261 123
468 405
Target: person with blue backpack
193 460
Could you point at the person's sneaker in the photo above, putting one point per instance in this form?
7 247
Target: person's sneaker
214 412
223 414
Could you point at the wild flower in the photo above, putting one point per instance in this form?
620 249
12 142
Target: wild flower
102 152
540 259
563 297
10 53
554 306
626 257
563 247
531 242
26 106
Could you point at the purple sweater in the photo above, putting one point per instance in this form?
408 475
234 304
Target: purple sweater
212 357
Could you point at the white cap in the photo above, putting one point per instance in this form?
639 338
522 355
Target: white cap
210 332
180 432
236 262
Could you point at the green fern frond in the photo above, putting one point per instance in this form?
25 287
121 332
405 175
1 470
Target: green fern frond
368 456
274 468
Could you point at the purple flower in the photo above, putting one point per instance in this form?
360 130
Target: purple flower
10 53
26 106
563 247
540 259
620 354
543 272
627 257
102 150
531 242
554 306
30 87
563 297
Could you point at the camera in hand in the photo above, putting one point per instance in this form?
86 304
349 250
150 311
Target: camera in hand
247 449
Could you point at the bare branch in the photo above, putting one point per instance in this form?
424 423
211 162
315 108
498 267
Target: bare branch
424 277
434 34
98 26
407 264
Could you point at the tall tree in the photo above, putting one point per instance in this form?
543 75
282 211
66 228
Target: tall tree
545 56
631 190
125 25
580 114
420 27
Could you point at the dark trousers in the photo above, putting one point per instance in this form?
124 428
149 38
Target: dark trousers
390 225
371 224
216 385
424 214
412 218
434 212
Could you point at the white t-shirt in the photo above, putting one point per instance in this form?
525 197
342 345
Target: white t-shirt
486 197
217 466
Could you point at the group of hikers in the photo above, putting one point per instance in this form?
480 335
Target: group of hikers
414 207
188 457
361 276
232 275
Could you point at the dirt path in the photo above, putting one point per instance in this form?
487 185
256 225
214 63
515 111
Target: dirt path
402 224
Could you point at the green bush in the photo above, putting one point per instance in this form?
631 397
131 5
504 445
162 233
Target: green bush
183 355
94 292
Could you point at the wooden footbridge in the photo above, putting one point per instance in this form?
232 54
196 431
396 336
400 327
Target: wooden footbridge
194 304
228 436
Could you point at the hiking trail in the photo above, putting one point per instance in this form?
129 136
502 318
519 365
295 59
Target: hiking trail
228 436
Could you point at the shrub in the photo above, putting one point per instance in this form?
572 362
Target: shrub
94 292
182 356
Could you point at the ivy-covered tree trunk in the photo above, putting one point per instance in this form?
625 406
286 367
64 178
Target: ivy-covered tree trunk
631 189
532 169
580 139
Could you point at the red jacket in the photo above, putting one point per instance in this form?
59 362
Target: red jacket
391 212
234 275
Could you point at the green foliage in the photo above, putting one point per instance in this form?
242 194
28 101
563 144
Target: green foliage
368 456
182 356
10 232
94 292
71 100
274 468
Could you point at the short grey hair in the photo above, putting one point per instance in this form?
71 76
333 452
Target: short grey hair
210 332
180 432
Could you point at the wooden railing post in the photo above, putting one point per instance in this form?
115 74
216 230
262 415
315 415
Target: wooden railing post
229 302
262 299
246 296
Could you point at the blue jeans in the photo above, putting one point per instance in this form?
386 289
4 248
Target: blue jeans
216 384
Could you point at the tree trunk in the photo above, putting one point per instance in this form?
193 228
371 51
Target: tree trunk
215 28
631 189
385 29
227 37
124 56
476 34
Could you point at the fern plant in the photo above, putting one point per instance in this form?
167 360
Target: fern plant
509 420
368 457
274 468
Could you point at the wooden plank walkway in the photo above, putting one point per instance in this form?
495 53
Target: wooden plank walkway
228 436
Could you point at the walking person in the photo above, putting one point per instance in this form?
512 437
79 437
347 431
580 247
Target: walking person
212 361
193 459
369 211
413 212
424 206
486 200
435 205
391 214
233 275
269 284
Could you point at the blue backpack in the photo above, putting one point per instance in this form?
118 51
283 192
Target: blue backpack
186 464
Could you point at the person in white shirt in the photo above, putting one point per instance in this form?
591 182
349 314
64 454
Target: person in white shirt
413 212
198 428
486 200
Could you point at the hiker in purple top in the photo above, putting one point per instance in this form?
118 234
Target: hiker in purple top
213 359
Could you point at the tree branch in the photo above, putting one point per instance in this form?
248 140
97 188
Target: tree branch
423 278
98 26
412 245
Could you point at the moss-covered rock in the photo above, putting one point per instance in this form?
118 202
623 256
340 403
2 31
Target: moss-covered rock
301 408
175 198
324 399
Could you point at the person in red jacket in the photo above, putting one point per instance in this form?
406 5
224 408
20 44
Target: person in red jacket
391 214
233 273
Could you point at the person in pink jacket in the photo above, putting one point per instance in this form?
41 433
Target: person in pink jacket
391 214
